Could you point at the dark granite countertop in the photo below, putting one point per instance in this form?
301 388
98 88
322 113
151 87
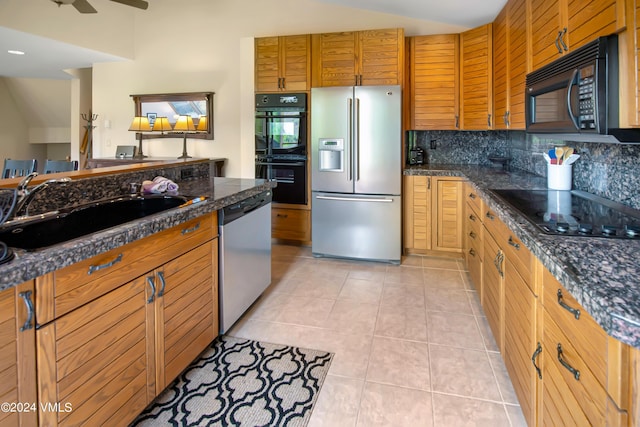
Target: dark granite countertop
221 192
602 274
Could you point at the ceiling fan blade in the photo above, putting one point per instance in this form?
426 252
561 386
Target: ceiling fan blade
83 6
140 4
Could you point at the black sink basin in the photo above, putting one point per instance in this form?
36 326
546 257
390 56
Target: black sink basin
67 224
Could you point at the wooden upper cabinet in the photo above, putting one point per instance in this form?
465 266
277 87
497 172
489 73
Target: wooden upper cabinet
434 82
282 63
372 57
518 61
501 70
557 27
476 86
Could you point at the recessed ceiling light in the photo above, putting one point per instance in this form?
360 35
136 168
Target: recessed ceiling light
16 52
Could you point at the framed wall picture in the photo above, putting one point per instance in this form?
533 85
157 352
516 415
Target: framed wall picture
152 118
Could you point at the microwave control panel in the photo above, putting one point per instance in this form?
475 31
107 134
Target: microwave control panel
586 98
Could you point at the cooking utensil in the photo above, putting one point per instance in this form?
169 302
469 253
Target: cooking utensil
567 153
572 158
559 153
552 153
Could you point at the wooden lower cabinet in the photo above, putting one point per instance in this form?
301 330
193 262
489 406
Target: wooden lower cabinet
493 288
18 357
433 215
105 360
291 224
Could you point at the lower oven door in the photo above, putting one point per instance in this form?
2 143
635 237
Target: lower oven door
291 178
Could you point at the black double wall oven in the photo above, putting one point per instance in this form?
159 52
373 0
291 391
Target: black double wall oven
281 144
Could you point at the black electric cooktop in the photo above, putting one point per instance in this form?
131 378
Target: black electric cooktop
574 213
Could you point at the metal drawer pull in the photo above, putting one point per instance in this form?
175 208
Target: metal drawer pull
490 216
94 268
190 230
282 215
574 371
152 285
513 243
574 311
472 217
472 234
472 196
163 284
26 297
534 357
472 252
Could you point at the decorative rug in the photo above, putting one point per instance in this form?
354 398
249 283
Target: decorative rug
239 382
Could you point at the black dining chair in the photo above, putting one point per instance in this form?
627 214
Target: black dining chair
55 166
15 168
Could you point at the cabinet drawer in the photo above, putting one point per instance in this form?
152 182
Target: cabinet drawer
86 280
474 200
474 232
520 257
568 400
584 334
495 226
291 224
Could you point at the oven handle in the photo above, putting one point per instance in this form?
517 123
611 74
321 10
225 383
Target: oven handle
279 164
572 82
283 116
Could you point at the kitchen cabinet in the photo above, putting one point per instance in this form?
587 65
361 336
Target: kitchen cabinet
434 82
629 46
115 329
560 26
291 224
510 65
476 86
283 63
433 214
18 361
357 58
474 248
493 287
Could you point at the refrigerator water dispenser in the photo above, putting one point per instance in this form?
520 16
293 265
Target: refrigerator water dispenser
331 154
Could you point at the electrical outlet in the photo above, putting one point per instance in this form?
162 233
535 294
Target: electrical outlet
186 173
433 145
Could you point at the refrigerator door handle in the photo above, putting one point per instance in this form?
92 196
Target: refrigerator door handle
350 137
356 140
357 199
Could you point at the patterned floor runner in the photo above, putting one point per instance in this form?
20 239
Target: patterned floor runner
238 382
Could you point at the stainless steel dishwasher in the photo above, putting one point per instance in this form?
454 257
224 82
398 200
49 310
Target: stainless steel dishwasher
245 256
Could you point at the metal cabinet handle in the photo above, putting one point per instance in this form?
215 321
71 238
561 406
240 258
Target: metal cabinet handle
429 183
282 215
163 283
506 118
472 252
497 261
513 243
533 360
564 46
574 371
557 42
472 217
152 285
190 230
26 297
457 122
574 311
472 196
488 120
472 235
94 268
490 216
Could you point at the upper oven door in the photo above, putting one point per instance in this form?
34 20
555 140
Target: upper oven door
552 104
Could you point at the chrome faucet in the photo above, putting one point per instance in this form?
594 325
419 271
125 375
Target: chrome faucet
26 195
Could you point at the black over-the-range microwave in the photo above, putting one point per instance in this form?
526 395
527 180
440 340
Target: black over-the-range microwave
577 96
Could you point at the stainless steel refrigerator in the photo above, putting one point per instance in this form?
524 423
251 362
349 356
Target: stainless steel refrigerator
356 172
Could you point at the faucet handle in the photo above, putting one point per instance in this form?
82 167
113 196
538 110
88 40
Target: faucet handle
24 183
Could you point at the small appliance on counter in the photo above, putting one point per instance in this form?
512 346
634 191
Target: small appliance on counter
416 154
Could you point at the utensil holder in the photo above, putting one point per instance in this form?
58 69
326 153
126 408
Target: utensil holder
559 177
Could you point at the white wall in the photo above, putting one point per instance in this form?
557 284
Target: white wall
192 46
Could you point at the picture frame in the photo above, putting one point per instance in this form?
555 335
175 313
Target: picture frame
152 118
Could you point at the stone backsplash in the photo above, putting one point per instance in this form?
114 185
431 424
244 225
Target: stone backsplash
611 171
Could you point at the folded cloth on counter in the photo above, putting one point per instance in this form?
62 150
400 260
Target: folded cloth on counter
159 185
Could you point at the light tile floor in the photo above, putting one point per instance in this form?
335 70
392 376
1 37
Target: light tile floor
412 346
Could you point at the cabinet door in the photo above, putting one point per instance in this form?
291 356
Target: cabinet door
18 356
434 82
501 59
380 57
417 211
267 64
291 224
492 287
520 339
96 361
476 106
295 65
334 59
545 27
517 36
590 19
186 314
447 215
